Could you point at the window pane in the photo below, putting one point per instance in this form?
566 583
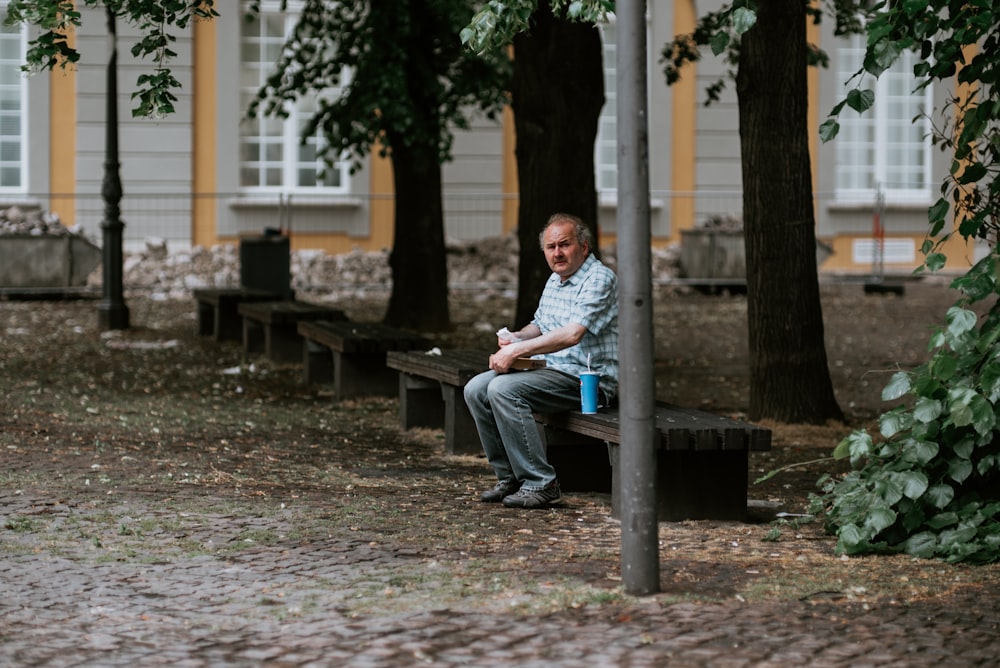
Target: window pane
10 177
12 106
884 147
272 147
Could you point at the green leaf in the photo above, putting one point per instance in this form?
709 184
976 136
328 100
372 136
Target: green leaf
959 469
829 130
849 538
881 55
923 451
939 211
988 464
879 519
889 489
743 19
927 409
936 261
960 320
913 483
942 520
940 495
719 42
922 544
960 406
898 385
964 447
857 445
985 419
943 366
956 538
893 422
972 173
860 100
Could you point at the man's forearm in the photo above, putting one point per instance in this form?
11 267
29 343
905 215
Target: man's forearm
550 342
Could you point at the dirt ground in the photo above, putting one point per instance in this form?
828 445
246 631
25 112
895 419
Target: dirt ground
160 412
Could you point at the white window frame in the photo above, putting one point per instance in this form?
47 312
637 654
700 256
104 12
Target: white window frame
606 146
13 121
866 143
287 140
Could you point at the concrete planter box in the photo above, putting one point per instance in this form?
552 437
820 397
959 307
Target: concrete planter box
707 253
720 254
46 261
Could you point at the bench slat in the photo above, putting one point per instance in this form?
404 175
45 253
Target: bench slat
454 367
360 337
288 312
679 428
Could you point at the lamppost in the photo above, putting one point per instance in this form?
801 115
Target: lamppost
111 311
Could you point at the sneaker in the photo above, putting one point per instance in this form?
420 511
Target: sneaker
500 491
535 498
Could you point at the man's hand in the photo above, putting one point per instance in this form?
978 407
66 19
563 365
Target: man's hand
501 360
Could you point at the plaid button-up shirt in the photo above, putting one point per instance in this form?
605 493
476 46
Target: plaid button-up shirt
589 298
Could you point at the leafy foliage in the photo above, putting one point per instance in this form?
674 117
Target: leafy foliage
721 30
931 486
494 26
402 76
57 19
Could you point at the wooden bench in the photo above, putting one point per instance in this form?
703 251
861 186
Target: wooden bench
217 310
353 355
702 458
430 393
272 327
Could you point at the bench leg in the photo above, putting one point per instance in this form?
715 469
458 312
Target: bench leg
206 319
695 485
582 463
362 374
228 323
420 402
253 337
317 363
283 343
460 434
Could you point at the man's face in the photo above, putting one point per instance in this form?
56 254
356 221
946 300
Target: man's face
562 251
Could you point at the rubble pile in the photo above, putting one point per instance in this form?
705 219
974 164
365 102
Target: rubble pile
471 264
32 222
722 223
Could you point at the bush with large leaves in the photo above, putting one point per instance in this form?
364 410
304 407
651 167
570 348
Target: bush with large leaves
930 485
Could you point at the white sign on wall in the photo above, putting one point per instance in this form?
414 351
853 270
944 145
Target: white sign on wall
902 251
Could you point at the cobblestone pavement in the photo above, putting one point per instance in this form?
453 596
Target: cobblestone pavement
91 585
158 509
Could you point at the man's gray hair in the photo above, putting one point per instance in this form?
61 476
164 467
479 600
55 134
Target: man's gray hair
583 233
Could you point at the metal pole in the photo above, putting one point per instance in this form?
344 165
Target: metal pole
637 456
111 311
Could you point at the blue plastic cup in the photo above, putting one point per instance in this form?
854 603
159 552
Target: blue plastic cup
588 391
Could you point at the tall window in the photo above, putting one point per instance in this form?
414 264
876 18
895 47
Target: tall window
606 152
884 148
272 155
13 98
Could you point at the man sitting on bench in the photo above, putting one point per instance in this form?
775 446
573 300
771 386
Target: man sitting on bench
575 327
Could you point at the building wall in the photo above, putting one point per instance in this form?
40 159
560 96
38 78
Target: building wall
154 154
180 176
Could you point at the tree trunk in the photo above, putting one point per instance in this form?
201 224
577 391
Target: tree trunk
557 95
419 298
789 376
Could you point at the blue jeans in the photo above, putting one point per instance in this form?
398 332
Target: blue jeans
502 405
